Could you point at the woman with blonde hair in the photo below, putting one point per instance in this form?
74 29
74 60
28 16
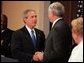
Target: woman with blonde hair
77 33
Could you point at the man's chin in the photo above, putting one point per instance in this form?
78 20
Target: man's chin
34 25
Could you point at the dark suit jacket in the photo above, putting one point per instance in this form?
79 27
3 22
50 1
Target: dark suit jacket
22 46
6 42
58 43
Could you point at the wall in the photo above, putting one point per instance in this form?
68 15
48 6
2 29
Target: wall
14 10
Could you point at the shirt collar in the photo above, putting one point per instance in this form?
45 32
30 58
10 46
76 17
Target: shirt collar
29 29
55 21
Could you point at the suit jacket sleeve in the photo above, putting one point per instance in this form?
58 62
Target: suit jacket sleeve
16 48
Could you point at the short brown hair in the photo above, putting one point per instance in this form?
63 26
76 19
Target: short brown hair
26 12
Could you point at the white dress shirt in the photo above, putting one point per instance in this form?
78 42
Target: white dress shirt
77 53
55 21
29 30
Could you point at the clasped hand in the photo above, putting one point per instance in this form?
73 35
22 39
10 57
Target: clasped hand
38 56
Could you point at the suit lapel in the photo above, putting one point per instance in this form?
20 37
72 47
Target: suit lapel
27 35
52 29
56 23
37 37
25 32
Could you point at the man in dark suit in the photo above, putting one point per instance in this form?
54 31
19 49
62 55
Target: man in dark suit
27 40
59 40
5 37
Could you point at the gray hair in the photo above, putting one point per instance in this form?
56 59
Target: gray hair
25 13
57 8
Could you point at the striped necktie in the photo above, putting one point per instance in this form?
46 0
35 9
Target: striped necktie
33 38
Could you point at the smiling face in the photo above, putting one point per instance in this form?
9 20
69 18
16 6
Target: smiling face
31 19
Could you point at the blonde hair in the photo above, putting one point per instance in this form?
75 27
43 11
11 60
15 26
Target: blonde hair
77 26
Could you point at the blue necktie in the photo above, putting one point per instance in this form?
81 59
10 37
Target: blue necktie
33 38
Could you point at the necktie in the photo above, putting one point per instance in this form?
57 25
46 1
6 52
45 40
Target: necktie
33 38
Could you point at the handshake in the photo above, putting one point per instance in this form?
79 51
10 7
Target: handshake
38 56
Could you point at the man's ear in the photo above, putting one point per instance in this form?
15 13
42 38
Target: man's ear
24 20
